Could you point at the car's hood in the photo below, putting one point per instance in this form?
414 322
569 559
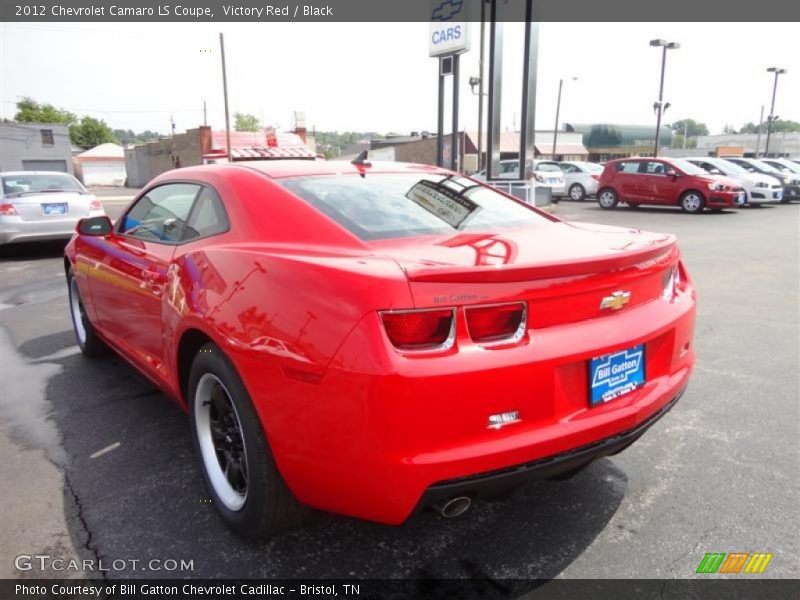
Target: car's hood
724 179
753 178
550 249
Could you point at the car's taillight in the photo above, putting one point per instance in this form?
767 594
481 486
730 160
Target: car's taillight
7 208
671 281
95 205
596 177
503 322
420 329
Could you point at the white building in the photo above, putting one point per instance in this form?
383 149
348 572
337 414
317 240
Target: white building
102 165
780 143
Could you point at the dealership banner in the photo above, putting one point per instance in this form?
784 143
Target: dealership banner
264 11
405 589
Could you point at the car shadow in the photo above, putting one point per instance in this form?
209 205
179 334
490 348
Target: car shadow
131 469
32 250
665 210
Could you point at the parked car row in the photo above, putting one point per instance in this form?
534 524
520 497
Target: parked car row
697 183
694 183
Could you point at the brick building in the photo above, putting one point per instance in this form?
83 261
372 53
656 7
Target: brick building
202 145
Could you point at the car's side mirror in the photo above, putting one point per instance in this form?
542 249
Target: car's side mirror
95 226
672 173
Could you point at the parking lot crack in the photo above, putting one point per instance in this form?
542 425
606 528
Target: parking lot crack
88 543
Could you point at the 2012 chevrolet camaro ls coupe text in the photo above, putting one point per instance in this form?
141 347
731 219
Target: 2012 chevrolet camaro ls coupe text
371 339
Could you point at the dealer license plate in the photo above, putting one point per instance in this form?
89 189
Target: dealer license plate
54 208
613 375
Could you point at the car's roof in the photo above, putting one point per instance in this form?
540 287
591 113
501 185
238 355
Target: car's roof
7 173
302 168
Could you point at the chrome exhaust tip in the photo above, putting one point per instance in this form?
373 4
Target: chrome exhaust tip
453 507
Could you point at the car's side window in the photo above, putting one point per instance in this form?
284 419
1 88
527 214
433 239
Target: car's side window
160 215
628 166
208 216
654 167
570 169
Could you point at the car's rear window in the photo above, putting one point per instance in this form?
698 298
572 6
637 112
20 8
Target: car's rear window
24 183
385 206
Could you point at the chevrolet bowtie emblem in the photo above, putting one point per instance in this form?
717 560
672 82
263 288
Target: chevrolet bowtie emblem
616 300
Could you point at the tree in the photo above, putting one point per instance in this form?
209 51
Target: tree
677 141
91 132
30 111
690 127
245 122
128 136
779 125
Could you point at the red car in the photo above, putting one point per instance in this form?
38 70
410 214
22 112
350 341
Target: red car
666 181
375 339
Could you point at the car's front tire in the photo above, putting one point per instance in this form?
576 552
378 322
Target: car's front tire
692 202
88 341
237 464
607 198
577 192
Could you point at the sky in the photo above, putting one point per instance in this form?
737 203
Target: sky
379 77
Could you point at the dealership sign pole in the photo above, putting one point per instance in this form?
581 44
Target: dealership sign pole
448 39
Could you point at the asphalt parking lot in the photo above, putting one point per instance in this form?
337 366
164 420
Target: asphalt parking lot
97 463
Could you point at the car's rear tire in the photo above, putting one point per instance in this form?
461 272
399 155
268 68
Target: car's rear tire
607 198
88 341
577 192
692 202
237 464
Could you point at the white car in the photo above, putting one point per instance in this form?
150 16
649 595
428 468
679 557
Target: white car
545 173
42 205
760 188
581 178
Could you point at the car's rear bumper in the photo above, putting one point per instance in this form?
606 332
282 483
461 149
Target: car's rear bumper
15 229
494 483
371 437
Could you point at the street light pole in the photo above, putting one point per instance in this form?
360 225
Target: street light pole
225 93
659 106
771 118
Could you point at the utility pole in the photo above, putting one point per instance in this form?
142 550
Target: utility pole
685 132
558 111
480 89
225 93
172 125
205 119
772 117
758 139
659 106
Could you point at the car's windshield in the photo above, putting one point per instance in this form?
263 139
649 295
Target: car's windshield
384 206
761 165
39 182
547 166
689 168
730 167
790 166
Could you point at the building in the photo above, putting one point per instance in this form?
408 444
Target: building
202 145
35 147
780 144
102 165
606 141
422 148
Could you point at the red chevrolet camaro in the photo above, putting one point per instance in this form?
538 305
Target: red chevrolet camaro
375 339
